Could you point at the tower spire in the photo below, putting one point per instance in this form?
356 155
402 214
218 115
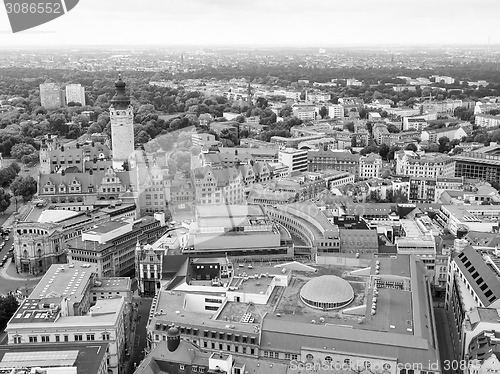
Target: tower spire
120 100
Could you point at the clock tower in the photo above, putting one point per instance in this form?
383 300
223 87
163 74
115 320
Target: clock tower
122 126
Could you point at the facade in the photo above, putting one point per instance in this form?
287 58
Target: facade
416 238
111 246
330 160
295 159
81 191
122 126
308 223
236 230
305 113
60 309
488 121
370 166
452 133
478 165
76 156
472 295
216 186
75 93
39 245
335 111
433 165
481 218
51 95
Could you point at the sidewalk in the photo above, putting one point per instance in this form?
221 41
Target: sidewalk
3 274
24 211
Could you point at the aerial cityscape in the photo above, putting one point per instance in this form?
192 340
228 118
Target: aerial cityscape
251 206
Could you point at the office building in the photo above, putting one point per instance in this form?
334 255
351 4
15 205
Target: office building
319 160
370 166
307 323
75 93
61 310
111 246
295 159
433 165
236 230
51 95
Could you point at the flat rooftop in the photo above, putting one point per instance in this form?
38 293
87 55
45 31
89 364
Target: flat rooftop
222 210
106 227
85 357
64 280
113 284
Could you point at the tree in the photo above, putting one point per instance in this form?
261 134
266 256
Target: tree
4 200
7 175
369 149
22 149
349 126
433 147
323 112
444 142
15 167
383 150
8 306
411 147
25 187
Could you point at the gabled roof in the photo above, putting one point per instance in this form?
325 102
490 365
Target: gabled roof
470 261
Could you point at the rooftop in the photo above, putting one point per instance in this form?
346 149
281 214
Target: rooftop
86 358
64 280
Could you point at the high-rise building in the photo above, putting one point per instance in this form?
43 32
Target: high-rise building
51 95
75 93
122 125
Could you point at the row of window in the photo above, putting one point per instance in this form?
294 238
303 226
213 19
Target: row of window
57 338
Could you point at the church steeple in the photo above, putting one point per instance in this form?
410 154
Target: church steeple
120 100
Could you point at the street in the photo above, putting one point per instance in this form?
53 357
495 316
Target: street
139 341
445 342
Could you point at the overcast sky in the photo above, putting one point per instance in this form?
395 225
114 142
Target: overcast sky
265 22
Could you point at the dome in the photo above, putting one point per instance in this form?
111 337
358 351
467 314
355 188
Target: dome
327 292
173 331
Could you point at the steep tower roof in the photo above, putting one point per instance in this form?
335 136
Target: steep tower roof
120 100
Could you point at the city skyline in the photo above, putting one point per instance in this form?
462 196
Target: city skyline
225 23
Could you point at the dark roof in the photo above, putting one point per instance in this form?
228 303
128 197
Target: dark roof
172 264
88 360
470 261
484 345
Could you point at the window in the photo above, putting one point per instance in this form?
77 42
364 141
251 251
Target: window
78 337
105 336
90 337
17 340
309 357
347 362
66 338
33 339
181 366
45 339
367 364
387 366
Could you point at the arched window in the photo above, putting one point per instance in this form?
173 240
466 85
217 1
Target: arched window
25 254
309 357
